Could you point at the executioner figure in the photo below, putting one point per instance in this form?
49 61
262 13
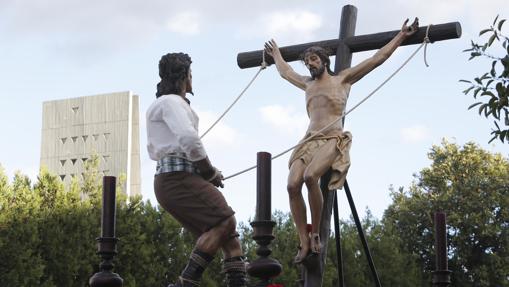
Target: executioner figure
326 96
185 182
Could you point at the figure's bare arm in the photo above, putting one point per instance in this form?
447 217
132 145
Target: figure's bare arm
284 69
352 75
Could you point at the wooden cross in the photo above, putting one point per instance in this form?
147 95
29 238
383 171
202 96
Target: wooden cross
345 46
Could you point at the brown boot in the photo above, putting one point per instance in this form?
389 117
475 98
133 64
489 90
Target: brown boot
191 275
235 269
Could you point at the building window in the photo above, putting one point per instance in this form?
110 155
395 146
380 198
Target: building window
63 140
75 109
62 177
84 138
96 136
73 160
74 139
62 162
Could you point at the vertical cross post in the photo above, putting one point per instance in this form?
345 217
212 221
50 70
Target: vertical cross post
107 243
263 267
343 61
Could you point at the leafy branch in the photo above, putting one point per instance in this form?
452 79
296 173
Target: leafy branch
492 87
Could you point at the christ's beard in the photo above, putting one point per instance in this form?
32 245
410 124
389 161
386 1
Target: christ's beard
317 72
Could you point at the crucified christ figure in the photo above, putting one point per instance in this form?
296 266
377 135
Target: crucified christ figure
326 96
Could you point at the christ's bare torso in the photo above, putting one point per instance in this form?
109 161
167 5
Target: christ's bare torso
325 102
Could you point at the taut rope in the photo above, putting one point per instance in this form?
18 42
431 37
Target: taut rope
262 66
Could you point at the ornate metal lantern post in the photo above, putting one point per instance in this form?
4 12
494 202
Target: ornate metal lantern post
263 267
107 243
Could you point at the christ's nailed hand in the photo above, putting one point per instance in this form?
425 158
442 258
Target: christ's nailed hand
410 30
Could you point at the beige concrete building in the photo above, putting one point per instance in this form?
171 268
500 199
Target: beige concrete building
107 125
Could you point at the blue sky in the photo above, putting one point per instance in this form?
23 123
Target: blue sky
70 48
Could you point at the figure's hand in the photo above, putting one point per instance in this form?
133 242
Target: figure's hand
271 48
217 180
209 172
410 30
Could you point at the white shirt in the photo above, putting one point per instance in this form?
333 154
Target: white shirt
172 127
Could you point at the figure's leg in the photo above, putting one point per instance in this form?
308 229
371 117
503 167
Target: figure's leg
321 162
234 264
202 210
214 239
191 275
298 206
206 247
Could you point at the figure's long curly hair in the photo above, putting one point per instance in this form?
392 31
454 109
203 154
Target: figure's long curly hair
173 70
322 53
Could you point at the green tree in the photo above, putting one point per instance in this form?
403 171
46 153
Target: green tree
47 235
150 244
284 248
92 183
20 262
67 225
492 87
472 187
395 267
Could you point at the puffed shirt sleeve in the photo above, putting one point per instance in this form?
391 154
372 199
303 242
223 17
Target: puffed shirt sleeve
178 119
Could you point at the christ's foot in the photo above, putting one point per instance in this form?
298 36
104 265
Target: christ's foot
315 243
301 254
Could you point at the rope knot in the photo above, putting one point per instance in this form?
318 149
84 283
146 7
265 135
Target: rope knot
426 41
263 65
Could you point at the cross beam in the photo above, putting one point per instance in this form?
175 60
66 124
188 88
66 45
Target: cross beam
360 43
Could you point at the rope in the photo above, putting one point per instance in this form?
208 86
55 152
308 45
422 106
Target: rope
262 66
424 43
427 41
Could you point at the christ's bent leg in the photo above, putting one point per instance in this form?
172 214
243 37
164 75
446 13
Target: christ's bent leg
232 247
298 207
320 163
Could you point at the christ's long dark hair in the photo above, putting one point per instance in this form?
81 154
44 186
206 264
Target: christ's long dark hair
173 70
322 53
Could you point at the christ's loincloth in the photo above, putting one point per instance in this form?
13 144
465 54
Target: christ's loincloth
341 163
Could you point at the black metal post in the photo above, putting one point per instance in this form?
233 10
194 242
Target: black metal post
441 275
361 235
263 187
107 243
263 267
337 231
